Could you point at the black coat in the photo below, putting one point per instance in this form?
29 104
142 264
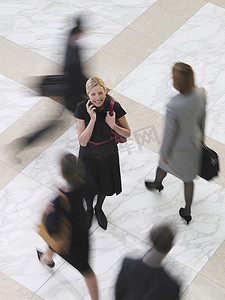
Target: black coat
137 281
74 77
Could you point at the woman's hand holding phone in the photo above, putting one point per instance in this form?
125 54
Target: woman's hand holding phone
91 110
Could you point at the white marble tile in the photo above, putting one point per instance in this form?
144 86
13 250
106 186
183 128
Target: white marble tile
151 85
22 201
100 31
215 125
45 168
107 252
46 32
16 99
122 12
195 243
14 13
203 35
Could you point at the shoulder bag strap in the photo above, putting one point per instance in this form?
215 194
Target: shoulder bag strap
112 102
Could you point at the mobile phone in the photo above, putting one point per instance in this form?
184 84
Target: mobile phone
90 103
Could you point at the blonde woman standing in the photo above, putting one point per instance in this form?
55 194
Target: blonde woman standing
98 148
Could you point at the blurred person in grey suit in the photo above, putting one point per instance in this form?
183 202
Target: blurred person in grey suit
181 151
146 279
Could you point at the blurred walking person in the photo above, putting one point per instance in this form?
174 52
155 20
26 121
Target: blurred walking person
181 151
146 279
73 71
78 252
70 86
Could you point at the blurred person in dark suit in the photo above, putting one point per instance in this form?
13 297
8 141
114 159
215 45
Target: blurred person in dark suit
74 90
146 279
75 79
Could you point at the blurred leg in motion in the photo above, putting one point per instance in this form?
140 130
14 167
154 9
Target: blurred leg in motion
92 284
89 211
102 220
157 183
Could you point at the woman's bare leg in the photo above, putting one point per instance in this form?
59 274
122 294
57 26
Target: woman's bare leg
92 284
46 258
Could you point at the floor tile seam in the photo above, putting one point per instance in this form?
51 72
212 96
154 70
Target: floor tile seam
156 112
36 12
215 141
212 281
162 41
20 172
33 179
139 182
220 5
42 285
193 56
101 15
8 278
148 244
214 104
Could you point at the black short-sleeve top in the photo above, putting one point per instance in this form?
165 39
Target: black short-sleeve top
101 131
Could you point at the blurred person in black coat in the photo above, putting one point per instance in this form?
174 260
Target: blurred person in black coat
146 279
75 91
75 79
78 253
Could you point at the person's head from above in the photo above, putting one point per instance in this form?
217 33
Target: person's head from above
162 237
183 77
96 91
77 30
71 169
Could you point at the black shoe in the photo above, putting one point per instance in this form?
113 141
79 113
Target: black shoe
39 254
102 220
89 214
185 217
154 186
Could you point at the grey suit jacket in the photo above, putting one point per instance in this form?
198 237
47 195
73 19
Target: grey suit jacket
183 134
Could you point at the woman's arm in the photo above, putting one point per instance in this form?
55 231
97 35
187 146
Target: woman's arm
202 122
84 133
122 129
170 133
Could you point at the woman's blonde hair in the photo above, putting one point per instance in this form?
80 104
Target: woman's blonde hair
186 81
92 82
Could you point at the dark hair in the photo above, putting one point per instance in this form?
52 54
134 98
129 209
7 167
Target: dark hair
78 26
186 81
71 168
162 238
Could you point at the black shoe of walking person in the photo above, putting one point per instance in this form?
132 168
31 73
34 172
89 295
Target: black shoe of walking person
153 185
102 220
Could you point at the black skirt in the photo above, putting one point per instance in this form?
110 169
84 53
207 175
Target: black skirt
102 167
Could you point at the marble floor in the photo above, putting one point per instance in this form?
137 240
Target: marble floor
131 45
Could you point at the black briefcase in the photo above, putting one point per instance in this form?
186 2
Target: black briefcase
53 86
210 163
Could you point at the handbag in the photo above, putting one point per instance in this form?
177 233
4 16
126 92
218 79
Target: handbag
53 85
60 240
118 138
210 163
